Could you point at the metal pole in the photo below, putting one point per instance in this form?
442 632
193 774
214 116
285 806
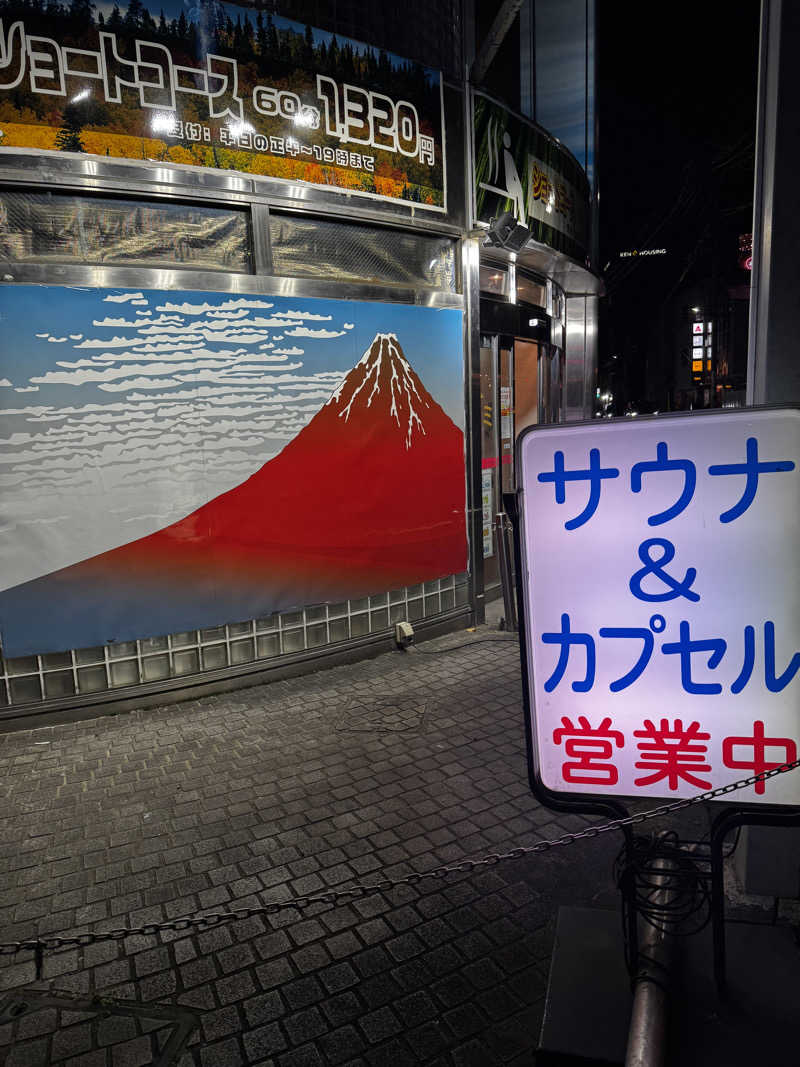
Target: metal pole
504 566
647 1037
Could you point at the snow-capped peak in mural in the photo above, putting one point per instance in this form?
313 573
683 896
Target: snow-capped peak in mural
387 379
365 493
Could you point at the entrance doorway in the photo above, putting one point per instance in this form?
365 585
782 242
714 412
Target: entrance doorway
520 387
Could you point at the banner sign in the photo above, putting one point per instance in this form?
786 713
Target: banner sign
662 611
220 85
182 459
518 168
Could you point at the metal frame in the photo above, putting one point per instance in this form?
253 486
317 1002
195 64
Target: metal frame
721 827
221 281
38 167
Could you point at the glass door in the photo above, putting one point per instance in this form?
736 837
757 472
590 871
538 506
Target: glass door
490 456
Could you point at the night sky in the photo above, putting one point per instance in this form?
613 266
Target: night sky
677 97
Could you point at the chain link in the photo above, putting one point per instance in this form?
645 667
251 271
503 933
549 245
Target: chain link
335 896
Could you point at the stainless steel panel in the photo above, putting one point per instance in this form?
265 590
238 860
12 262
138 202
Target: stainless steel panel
323 249
219 281
37 167
262 253
47 227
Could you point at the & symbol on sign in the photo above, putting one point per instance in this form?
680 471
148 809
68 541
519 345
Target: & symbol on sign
655 565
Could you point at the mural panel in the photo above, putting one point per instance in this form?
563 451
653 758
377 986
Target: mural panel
175 460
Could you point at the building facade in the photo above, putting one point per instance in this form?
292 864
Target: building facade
269 339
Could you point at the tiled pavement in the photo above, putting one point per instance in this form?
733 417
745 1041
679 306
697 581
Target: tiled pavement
378 769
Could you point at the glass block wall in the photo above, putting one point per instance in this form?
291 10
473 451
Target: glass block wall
31 680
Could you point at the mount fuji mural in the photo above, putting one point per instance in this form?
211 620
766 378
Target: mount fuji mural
367 494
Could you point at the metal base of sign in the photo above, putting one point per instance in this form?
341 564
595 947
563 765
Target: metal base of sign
723 825
588 1005
755 1024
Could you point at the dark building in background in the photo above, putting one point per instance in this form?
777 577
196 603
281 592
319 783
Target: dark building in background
677 110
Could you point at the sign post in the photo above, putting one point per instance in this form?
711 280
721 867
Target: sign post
661 607
660 621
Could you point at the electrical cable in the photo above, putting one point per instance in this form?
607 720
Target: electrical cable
665 883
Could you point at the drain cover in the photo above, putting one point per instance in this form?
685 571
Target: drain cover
382 714
42 1028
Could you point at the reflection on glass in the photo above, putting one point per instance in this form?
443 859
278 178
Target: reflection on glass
493 280
526 384
489 461
313 248
531 292
56 228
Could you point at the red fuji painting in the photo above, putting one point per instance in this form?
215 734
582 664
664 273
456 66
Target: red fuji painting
369 496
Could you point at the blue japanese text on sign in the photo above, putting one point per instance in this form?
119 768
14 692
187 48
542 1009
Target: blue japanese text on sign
662 603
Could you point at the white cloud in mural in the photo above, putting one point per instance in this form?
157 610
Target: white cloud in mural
112 342
133 322
201 309
240 313
303 331
302 315
75 336
42 334
26 389
110 374
137 383
57 340
121 298
162 346
259 320
242 336
4 382
289 351
139 302
347 325
268 357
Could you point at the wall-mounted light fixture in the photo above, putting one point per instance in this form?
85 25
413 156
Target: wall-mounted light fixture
506 232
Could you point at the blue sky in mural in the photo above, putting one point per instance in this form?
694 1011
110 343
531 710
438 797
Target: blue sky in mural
155 402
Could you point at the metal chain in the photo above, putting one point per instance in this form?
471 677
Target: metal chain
354 892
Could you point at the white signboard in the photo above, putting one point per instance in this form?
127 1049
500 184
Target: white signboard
662 603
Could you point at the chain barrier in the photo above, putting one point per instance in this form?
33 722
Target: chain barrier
335 896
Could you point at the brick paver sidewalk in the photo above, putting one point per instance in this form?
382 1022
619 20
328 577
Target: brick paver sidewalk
386 767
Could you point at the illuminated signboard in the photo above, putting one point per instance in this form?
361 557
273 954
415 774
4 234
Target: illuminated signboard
520 168
661 610
643 252
697 327
225 86
697 342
